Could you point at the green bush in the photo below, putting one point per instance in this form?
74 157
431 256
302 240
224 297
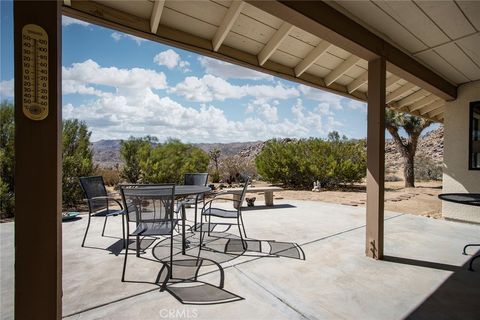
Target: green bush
298 163
164 163
77 161
7 153
133 152
111 176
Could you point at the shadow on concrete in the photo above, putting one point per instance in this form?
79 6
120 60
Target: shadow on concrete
458 297
264 207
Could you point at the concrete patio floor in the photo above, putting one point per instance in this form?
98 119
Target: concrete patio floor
423 276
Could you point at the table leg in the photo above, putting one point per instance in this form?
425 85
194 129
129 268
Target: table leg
183 228
236 203
269 198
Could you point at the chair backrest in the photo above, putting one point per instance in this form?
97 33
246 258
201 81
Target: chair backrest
149 202
244 191
196 179
94 187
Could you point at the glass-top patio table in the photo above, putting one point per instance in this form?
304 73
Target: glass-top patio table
471 199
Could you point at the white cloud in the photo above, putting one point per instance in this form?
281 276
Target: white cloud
211 88
79 75
118 36
266 110
333 100
227 70
357 105
170 59
67 21
6 89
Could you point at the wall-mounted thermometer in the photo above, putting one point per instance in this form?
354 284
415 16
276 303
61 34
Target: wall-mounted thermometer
35 71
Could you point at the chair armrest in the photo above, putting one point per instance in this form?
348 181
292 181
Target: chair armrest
209 203
106 198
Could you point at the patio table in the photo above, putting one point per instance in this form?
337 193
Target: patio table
183 191
471 199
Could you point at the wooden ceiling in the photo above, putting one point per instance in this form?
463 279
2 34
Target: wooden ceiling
240 33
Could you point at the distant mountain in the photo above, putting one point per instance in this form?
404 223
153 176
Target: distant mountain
106 153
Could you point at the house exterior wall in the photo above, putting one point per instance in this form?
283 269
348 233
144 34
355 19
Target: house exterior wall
456 176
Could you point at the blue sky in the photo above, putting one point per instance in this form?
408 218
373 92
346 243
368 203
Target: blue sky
122 86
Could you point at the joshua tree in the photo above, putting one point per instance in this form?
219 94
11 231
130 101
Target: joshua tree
214 156
407 147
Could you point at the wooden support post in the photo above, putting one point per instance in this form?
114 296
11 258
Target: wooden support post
38 237
375 157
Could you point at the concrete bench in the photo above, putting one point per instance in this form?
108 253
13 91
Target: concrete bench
267 190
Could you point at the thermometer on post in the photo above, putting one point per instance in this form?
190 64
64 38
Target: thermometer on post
35 72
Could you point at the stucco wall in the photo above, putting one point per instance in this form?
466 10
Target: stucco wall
456 176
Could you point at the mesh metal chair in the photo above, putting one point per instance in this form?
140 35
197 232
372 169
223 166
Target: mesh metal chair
151 208
209 211
99 202
196 179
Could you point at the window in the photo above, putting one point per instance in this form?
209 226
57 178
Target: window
474 149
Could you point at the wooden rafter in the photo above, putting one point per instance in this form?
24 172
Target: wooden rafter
423 102
156 15
341 69
274 43
436 112
227 23
312 57
399 92
408 100
392 80
432 106
358 82
325 22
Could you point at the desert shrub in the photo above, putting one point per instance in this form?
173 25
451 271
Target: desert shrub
7 153
235 168
111 176
133 151
297 163
426 169
77 160
168 162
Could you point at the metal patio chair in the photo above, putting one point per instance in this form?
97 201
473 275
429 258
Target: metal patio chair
151 209
99 202
196 179
211 211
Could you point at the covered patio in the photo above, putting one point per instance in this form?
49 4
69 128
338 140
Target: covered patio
423 274
402 55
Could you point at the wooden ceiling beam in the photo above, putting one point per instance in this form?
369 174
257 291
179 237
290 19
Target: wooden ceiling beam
392 80
436 112
312 57
432 106
423 102
408 100
274 42
227 23
156 15
358 82
325 22
399 92
341 69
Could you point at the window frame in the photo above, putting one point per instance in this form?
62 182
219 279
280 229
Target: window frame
473 104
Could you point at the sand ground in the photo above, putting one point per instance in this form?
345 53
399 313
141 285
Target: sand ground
421 200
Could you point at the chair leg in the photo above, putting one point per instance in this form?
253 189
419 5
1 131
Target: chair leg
243 226
86 231
104 225
123 230
138 246
209 220
125 260
195 222
244 244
